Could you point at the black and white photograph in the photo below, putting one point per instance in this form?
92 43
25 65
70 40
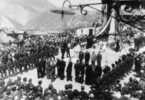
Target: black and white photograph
72 49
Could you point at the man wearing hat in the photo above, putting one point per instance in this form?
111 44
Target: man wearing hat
68 91
81 56
62 69
24 83
99 58
83 94
69 71
39 91
87 57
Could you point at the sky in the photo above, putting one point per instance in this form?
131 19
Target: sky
60 2
23 11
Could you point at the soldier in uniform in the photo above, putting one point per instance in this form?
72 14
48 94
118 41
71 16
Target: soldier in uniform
24 83
69 71
81 56
90 39
68 91
87 57
93 57
18 82
137 64
117 46
10 67
20 64
63 49
41 68
30 90
47 67
30 85
62 69
81 70
48 90
58 68
83 94
99 59
42 64
68 49
2 70
77 70
39 91
88 74
96 73
52 69
38 68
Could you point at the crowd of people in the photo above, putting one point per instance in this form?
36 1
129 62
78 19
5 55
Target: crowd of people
135 87
40 54
23 54
24 89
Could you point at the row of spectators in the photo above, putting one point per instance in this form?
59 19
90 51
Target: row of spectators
135 87
26 90
28 51
98 90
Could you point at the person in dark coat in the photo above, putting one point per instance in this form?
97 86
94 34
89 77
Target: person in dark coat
24 83
77 70
58 68
69 71
62 51
38 66
42 64
63 48
68 49
106 69
96 73
88 74
62 69
99 59
117 45
30 85
81 56
87 57
83 94
137 64
39 89
90 39
68 91
81 70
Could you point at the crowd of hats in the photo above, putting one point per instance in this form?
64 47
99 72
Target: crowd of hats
104 86
31 48
27 54
124 65
136 86
23 89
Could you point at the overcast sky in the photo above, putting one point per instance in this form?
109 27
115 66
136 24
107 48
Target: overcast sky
59 2
24 10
